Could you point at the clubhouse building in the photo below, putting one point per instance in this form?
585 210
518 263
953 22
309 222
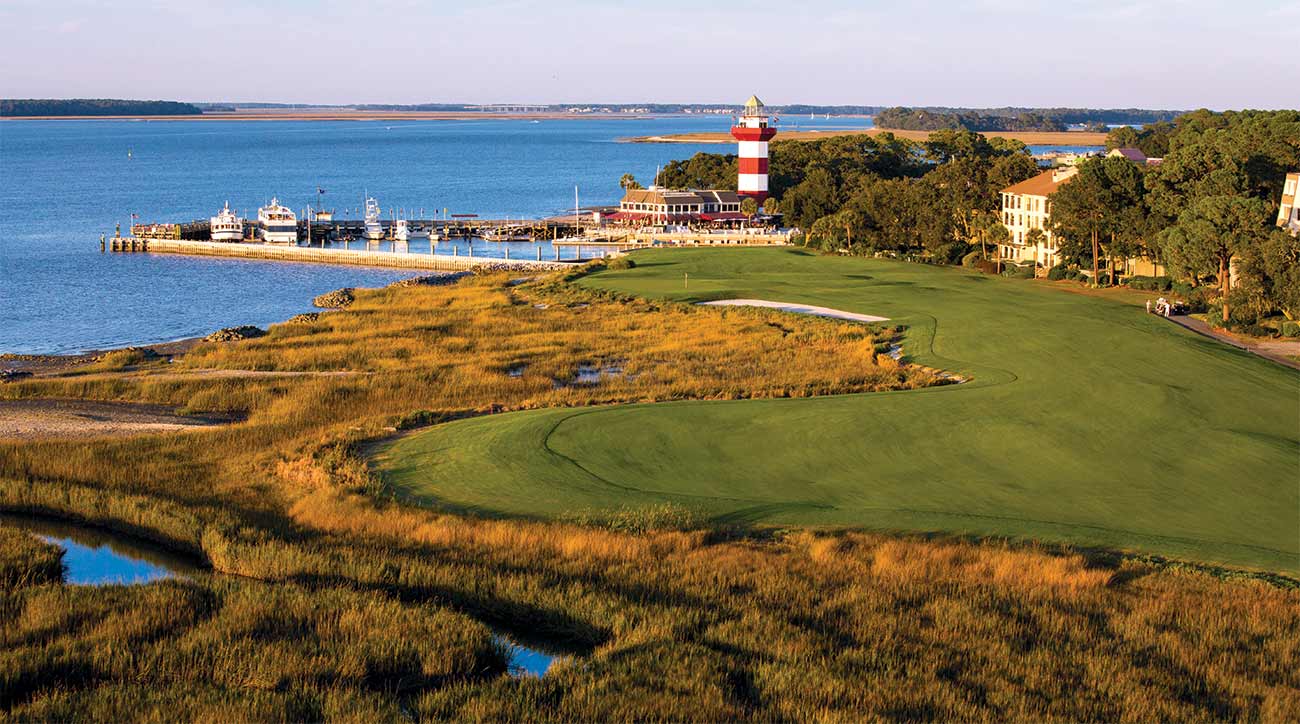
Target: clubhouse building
657 205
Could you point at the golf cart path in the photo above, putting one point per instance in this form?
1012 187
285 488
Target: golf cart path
1274 351
797 309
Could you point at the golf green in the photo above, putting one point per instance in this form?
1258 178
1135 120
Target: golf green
1087 422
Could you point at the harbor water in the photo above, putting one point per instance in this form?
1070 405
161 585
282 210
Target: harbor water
63 183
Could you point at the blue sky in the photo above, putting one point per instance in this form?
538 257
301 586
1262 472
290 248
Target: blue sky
1112 53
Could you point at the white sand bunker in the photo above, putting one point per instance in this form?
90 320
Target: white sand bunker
797 309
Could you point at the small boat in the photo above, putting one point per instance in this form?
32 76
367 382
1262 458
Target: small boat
226 226
401 232
507 235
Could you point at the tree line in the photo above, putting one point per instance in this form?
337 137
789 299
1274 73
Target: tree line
1014 119
94 107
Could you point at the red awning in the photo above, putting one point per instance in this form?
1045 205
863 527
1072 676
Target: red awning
724 216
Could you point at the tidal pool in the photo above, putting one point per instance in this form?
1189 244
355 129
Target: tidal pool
526 661
93 557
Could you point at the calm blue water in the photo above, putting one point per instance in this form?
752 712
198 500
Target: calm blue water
63 183
93 557
101 565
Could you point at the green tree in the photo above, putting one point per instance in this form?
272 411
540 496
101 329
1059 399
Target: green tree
629 182
1035 238
816 196
1214 230
771 206
749 206
1270 270
997 234
1122 137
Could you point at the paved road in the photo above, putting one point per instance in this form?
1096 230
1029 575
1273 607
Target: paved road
1275 351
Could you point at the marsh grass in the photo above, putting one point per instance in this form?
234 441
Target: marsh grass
343 603
26 560
217 645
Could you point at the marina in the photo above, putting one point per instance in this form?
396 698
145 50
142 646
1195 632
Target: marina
505 172
332 255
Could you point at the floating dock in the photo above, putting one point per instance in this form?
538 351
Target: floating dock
359 257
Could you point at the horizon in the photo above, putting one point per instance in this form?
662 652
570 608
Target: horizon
1094 56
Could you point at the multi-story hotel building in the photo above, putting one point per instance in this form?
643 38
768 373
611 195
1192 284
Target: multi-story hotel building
1288 214
1025 207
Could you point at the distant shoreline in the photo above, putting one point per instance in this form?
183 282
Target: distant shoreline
277 115
1029 138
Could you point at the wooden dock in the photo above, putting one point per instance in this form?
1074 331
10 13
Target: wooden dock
629 240
318 255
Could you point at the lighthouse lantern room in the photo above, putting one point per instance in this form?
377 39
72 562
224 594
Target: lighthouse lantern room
752 132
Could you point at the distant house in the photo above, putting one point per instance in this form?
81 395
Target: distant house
1136 156
1288 214
1026 206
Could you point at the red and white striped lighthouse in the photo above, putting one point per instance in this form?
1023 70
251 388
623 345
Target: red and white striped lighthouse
753 132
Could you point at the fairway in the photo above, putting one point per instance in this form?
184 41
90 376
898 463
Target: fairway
1088 422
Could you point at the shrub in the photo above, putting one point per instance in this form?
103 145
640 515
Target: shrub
1150 284
619 263
972 259
953 253
1018 272
987 266
1256 330
122 358
1057 273
1290 329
